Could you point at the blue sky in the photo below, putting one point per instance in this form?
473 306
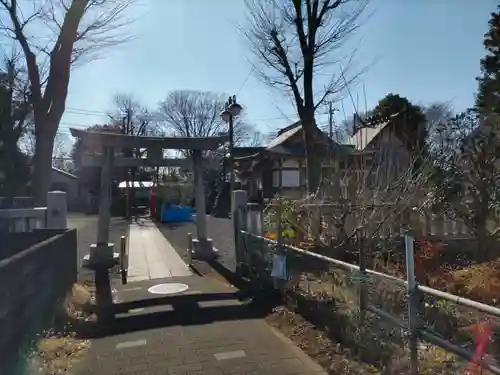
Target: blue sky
426 50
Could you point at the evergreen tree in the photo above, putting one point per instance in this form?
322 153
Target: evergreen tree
488 96
407 118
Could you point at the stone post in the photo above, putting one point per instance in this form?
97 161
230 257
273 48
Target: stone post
102 254
202 246
239 201
254 219
57 210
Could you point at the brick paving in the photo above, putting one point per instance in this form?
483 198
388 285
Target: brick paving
209 329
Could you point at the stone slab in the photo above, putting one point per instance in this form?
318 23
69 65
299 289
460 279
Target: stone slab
151 256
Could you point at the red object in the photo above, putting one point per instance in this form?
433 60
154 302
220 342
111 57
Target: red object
426 250
482 335
152 202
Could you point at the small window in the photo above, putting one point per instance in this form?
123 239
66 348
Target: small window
290 178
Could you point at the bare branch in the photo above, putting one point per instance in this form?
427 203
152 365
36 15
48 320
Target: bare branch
187 113
294 43
54 35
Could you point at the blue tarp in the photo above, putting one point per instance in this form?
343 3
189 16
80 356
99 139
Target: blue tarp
176 214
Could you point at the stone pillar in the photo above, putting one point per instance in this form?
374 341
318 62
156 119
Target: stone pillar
102 254
255 223
202 246
238 216
201 227
57 211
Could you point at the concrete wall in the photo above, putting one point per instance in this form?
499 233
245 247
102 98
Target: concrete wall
36 272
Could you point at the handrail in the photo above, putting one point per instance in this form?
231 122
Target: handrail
420 332
337 262
482 307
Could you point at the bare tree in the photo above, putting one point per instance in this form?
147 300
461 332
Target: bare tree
186 113
66 32
437 117
15 117
61 157
256 140
374 194
466 174
294 42
132 116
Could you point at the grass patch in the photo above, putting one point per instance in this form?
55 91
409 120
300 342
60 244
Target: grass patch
62 347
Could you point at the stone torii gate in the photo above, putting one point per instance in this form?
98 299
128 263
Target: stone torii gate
102 253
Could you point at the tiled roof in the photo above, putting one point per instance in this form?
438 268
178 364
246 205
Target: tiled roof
276 145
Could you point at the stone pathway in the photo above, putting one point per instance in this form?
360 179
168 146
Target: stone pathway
151 256
204 329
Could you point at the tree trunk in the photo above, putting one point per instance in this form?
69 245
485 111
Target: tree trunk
42 168
313 166
313 160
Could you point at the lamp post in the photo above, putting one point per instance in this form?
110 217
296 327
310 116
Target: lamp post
231 110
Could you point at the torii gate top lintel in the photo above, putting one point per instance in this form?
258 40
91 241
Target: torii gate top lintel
116 140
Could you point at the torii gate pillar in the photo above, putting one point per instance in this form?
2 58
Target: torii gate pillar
102 253
202 246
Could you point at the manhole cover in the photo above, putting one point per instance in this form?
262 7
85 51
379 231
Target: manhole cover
169 288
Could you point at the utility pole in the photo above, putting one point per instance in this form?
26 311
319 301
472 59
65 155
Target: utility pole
331 112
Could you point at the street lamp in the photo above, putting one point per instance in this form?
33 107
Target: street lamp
231 110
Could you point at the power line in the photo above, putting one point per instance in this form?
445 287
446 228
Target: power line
159 118
246 79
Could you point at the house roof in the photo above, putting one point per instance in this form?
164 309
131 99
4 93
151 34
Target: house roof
64 173
277 144
242 152
365 136
374 125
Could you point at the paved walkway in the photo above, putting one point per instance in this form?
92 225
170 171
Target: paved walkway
205 330
151 256
204 327
220 230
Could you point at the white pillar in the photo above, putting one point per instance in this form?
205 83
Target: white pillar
57 211
202 246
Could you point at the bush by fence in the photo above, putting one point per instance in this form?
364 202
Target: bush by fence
385 319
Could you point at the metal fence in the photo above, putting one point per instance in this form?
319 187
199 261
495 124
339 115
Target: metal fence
364 308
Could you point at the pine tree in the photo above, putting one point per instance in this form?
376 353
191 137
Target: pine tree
488 96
